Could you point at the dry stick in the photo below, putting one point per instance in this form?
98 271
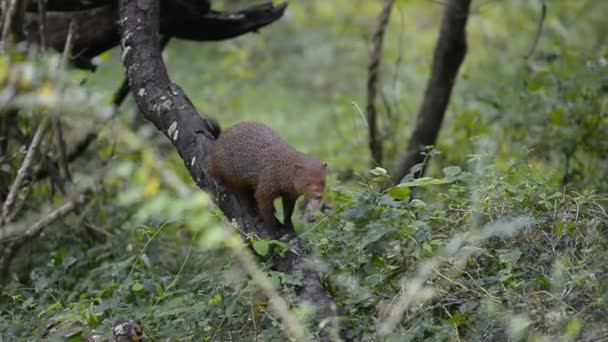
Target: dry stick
23 171
51 217
375 145
8 252
64 165
8 19
278 304
69 43
543 14
42 19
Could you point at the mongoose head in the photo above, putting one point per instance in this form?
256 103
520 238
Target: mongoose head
310 181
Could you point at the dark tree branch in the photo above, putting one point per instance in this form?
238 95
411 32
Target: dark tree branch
449 54
169 109
179 20
98 29
72 5
375 144
541 21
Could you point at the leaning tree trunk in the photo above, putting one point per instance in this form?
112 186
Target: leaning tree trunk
166 105
449 54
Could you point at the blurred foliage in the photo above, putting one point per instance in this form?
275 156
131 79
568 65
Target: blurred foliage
506 238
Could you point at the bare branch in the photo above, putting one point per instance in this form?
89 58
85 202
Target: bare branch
22 173
69 44
10 248
42 22
9 15
64 165
375 144
541 21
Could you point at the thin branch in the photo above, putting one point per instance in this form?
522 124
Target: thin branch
51 217
543 14
23 171
375 143
69 44
11 248
64 165
77 150
11 9
42 25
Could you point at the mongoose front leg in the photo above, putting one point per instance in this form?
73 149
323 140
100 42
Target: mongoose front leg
288 206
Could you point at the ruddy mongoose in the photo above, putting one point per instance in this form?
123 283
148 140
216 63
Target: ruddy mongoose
255 162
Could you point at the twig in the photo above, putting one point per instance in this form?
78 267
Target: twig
79 148
51 217
11 248
63 159
375 144
64 166
543 14
8 19
42 26
23 171
69 43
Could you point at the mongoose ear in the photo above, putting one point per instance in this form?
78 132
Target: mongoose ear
298 166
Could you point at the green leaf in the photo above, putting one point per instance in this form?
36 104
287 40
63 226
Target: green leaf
261 247
399 192
452 171
137 286
418 204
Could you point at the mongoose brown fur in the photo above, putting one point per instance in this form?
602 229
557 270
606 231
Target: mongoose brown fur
255 162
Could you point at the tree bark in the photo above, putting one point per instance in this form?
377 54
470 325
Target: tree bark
166 105
449 54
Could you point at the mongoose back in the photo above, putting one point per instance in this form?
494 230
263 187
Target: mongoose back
255 162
